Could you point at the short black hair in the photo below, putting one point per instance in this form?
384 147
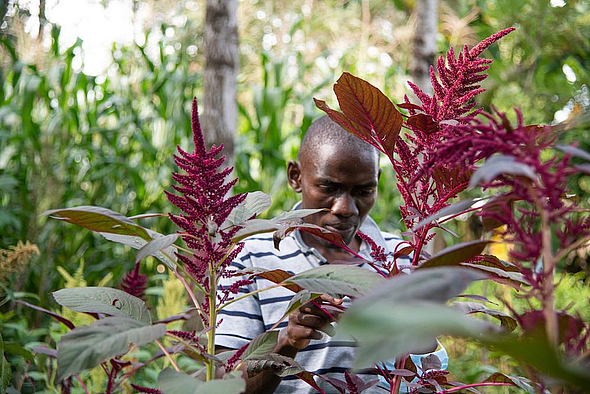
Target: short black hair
325 131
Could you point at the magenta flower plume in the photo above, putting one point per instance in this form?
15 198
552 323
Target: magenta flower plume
146 390
135 283
205 207
457 82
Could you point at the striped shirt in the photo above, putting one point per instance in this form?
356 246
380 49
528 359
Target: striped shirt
245 319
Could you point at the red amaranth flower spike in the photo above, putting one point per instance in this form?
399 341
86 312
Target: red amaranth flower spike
146 390
203 199
135 283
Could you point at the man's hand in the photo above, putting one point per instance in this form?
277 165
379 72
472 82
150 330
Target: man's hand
306 323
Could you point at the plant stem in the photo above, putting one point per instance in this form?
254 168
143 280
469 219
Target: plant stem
189 291
212 321
82 383
397 380
548 299
168 355
475 385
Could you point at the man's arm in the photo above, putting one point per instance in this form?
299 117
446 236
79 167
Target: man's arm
304 325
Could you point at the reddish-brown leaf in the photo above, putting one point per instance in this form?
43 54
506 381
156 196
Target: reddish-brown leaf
403 252
424 123
370 109
278 276
410 106
341 119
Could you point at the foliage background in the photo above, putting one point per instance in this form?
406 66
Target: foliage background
71 138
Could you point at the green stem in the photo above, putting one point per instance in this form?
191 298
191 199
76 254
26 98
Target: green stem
212 321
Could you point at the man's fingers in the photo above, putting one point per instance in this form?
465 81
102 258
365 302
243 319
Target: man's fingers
331 300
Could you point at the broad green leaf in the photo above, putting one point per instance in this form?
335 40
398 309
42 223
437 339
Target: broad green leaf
228 385
16 349
508 322
156 245
536 352
299 300
99 219
172 382
261 345
456 254
337 280
416 324
105 300
281 365
88 346
574 151
433 284
509 277
284 220
450 210
500 165
166 255
254 204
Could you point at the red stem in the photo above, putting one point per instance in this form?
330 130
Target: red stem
475 385
82 383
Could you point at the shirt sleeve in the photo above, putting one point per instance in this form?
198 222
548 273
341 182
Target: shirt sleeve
241 321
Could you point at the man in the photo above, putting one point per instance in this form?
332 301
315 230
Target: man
339 172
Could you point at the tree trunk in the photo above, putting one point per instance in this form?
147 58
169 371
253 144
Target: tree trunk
424 49
220 109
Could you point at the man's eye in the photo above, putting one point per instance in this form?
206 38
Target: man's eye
366 192
327 188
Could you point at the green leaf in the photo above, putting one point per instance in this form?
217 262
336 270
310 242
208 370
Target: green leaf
172 382
450 210
105 300
5 372
166 255
16 349
574 151
501 275
433 284
499 165
261 345
89 346
338 280
156 245
538 353
281 365
508 322
416 324
257 226
456 254
254 204
99 219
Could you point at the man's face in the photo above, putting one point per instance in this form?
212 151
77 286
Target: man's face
341 179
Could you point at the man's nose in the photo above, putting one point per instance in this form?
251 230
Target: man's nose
345 205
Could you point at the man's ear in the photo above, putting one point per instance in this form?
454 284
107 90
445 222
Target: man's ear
294 175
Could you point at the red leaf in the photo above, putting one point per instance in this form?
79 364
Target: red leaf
368 107
410 106
277 276
423 122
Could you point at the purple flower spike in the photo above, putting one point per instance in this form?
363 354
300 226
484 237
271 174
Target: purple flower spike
202 197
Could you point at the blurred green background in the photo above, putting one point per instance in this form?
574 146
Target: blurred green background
81 125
